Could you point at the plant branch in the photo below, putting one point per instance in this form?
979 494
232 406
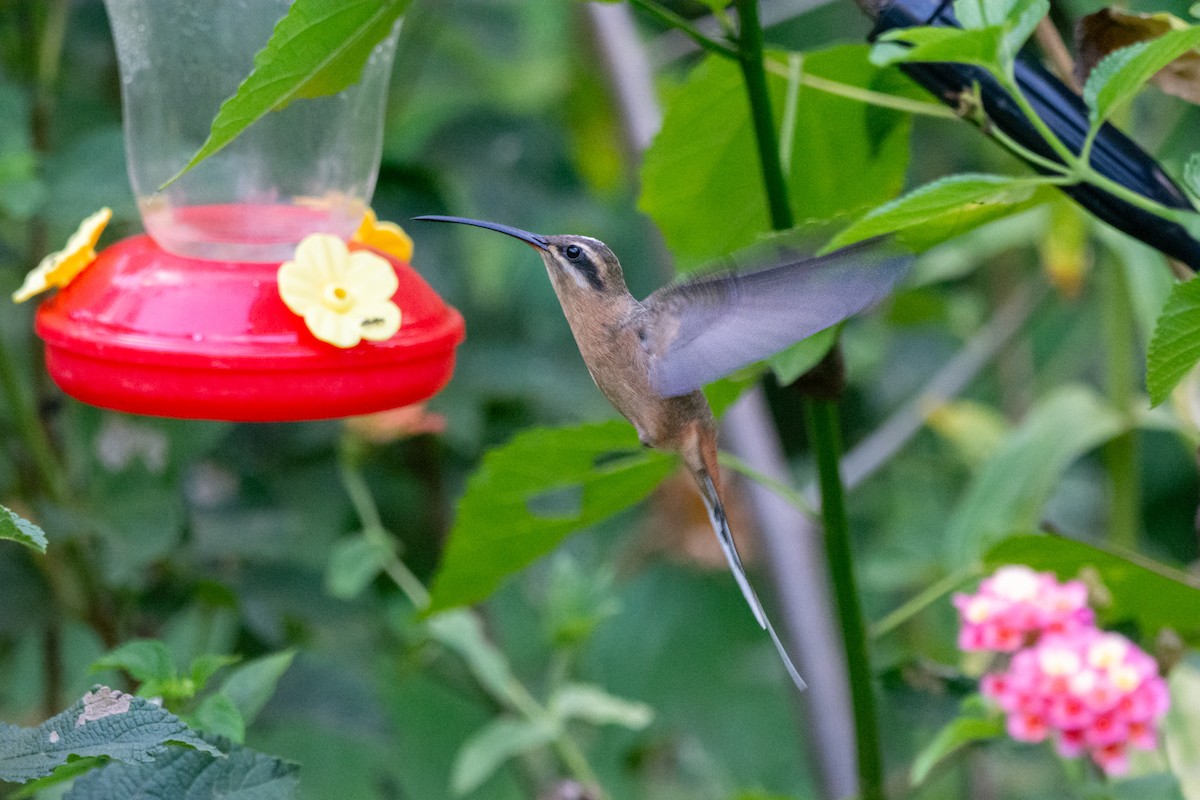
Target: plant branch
513 693
780 489
923 600
29 427
824 434
851 92
872 452
1120 453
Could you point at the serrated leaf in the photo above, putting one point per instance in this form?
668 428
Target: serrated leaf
1149 594
959 733
1013 485
146 660
701 181
1121 74
954 204
461 632
217 715
354 562
492 745
251 685
1175 347
319 48
18 529
188 775
936 44
593 704
1110 29
104 722
496 531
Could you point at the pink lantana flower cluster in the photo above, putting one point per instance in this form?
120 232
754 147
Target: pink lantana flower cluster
1017 605
1089 691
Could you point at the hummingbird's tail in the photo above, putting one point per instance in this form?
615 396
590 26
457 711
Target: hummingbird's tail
716 514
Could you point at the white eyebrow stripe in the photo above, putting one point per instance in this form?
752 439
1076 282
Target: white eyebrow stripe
579 278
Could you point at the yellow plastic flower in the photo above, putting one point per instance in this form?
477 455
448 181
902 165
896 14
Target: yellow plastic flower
344 297
385 236
60 267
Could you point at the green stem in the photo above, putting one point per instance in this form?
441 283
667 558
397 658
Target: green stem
372 526
923 600
785 492
30 428
514 695
1077 164
850 92
1056 144
672 19
1120 454
750 50
824 435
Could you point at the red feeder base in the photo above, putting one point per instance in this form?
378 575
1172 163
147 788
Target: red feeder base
148 332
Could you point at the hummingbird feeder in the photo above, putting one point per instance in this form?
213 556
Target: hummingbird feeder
263 290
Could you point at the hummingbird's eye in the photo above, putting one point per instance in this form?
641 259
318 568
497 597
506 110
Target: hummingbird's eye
573 251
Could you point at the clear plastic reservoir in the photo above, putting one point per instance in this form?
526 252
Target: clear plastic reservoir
306 168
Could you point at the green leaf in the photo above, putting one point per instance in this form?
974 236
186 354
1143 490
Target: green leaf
146 661
1121 74
934 44
1175 347
104 723
251 685
529 494
15 527
354 562
799 358
319 48
495 743
593 704
67 772
1191 174
1151 595
723 393
959 733
1181 727
460 631
1010 490
188 775
701 181
1018 18
217 715
205 666
944 208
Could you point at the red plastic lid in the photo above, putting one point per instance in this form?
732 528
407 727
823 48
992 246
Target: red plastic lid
148 332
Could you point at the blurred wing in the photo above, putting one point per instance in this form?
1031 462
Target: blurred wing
704 329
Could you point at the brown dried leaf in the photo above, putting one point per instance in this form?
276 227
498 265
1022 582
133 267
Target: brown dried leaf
1109 29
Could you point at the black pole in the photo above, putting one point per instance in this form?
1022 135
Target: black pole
1114 154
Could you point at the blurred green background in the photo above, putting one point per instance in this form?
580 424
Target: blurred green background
217 537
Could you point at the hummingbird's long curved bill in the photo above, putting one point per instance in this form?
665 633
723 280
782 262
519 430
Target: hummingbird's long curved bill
525 236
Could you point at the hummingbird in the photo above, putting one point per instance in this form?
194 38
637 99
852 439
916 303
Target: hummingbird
651 358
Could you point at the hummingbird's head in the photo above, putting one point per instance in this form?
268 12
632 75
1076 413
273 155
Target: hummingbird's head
574 262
